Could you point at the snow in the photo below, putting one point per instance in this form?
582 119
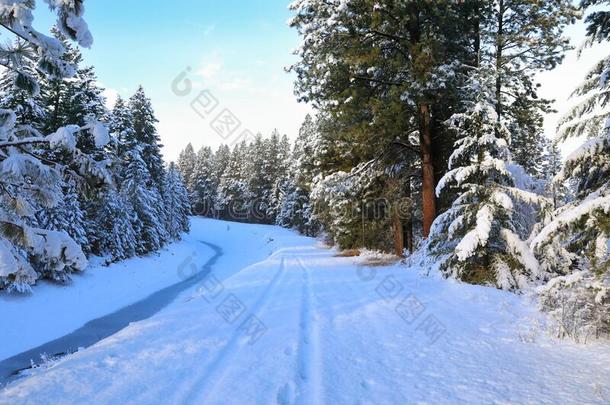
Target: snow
54 245
476 237
100 134
64 137
19 165
520 248
592 203
334 330
8 260
29 321
590 148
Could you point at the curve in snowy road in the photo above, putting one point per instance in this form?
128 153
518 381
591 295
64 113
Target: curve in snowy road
103 327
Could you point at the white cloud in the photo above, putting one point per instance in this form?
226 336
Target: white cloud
209 70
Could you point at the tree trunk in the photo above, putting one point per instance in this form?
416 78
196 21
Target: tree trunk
399 243
499 50
428 182
477 37
408 236
408 225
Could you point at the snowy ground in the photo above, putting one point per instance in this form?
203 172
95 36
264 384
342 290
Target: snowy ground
283 320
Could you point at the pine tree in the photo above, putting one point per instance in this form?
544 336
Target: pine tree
72 101
177 203
114 227
477 237
121 126
27 181
204 183
186 165
221 161
296 210
67 216
145 134
304 153
149 220
384 62
527 137
295 206
234 195
280 178
521 38
575 244
27 104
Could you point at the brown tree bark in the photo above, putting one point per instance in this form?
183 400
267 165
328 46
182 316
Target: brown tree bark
428 182
399 243
408 236
408 223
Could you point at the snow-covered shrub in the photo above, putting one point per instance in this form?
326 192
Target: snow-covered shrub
579 305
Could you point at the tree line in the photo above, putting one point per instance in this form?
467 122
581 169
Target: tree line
243 183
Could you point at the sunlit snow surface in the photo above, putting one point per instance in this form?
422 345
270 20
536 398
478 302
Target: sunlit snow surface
284 320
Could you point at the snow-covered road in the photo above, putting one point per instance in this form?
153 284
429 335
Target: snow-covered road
282 320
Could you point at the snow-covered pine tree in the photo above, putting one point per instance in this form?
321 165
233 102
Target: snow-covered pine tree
73 101
26 103
575 245
527 147
114 223
552 162
260 171
222 158
204 183
476 239
149 221
280 177
121 126
145 133
304 154
26 180
177 203
266 167
54 89
360 58
295 208
186 165
109 215
234 196
351 207
67 215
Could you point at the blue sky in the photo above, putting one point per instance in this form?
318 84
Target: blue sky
237 49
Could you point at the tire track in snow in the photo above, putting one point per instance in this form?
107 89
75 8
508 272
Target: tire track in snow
205 382
309 364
